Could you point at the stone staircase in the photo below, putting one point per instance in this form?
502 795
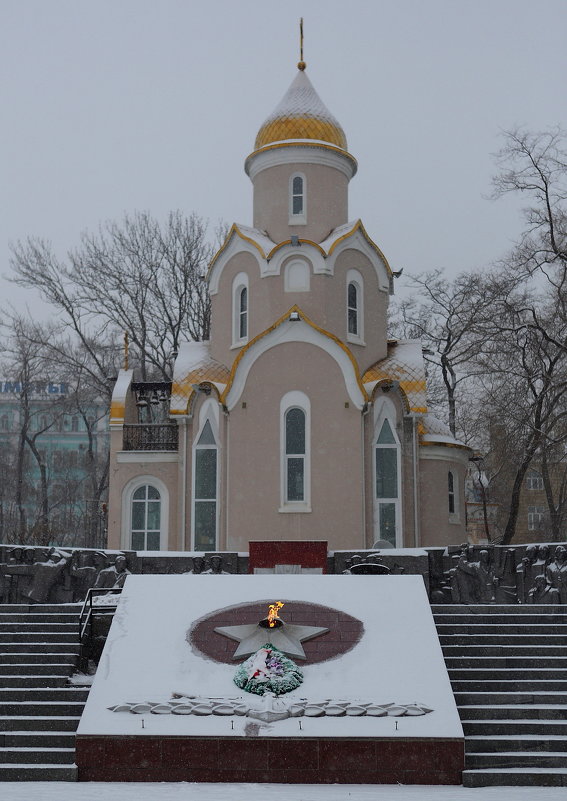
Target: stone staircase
39 709
508 669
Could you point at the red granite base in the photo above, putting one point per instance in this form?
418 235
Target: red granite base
278 760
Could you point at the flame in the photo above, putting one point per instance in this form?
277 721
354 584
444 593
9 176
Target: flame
273 613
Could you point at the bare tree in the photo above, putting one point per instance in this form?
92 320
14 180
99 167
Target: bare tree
136 276
447 316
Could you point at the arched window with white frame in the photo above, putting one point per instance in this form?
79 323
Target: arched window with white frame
206 480
145 510
240 310
295 435
387 477
297 199
355 307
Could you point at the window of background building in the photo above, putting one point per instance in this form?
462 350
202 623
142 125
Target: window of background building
536 515
534 480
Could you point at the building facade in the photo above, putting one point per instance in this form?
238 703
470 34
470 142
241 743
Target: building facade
299 419
49 445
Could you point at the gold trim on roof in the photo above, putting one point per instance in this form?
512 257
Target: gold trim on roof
300 127
301 242
360 227
273 327
234 229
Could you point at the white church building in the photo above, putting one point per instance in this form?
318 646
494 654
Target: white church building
299 419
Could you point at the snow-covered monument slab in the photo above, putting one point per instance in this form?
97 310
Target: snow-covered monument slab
339 681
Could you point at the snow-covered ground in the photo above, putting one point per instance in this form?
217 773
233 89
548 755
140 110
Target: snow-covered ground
95 791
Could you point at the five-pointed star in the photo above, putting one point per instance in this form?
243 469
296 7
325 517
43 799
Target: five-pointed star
286 638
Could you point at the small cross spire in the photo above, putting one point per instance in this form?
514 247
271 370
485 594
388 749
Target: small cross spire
301 65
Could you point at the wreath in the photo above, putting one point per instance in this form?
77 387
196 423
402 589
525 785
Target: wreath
268 670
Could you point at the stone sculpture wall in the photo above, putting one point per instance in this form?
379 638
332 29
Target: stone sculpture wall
534 574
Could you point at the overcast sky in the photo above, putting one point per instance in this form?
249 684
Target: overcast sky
112 106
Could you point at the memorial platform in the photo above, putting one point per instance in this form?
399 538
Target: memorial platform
374 703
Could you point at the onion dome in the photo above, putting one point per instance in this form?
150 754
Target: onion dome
300 115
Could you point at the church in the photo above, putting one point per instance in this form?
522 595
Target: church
300 419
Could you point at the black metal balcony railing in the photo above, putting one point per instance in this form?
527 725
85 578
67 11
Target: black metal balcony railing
150 437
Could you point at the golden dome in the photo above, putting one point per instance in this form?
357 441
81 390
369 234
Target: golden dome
301 114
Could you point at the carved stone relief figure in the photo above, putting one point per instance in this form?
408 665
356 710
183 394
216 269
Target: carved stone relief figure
41 576
556 573
216 565
199 565
113 576
525 573
464 582
542 592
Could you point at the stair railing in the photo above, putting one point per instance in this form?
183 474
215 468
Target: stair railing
88 611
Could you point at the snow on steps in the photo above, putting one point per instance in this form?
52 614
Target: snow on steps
39 711
508 668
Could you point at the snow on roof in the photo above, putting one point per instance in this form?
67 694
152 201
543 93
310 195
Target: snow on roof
404 364
301 114
434 431
119 393
194 365
346 230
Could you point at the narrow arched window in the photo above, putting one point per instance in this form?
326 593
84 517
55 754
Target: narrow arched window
146 519
297 195
451 492
240 310
355 307
295 455
297 200
387 483
243 314
295 452
352 308
205 490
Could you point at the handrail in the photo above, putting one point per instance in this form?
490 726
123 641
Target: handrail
87 611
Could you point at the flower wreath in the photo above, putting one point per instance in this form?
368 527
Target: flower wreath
268 670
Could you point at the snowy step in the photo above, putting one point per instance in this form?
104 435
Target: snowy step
466 648
497 743
37 669
502 685
46 617
41 609
40 723
38 647
553 629
22 756
506 673
27 626
518 777
29 694
497 619
515 759
38 773
500 609
37 739
515 727
41 708
466 698
32 681
7 637
497 638
511 712
501 662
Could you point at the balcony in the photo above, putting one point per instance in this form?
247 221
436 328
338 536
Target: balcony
150 437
